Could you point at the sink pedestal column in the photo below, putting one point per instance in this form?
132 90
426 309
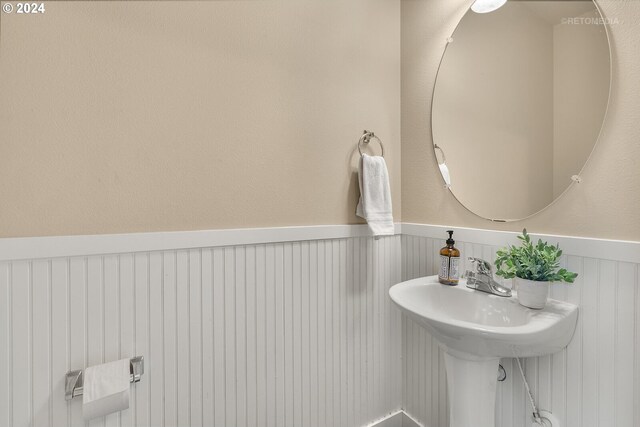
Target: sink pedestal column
471 382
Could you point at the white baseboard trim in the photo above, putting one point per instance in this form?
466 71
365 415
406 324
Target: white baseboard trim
617 250
85 245
409 421
396 419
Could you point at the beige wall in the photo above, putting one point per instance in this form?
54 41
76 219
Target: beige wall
606 204
148 116
120 117
502 108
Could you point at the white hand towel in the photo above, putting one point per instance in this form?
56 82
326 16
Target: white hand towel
375 195
444 170
105 389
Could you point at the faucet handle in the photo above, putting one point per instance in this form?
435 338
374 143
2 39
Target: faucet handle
481 266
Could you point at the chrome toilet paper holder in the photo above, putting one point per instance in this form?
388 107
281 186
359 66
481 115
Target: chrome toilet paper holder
73 385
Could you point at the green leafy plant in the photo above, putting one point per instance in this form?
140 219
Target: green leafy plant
539 262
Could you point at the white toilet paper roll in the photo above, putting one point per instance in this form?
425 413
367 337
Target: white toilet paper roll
105 389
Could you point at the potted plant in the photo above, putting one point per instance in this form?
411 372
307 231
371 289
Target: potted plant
534 267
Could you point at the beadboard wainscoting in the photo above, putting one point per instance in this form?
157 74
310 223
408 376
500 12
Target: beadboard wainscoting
290 327
594 382
281 333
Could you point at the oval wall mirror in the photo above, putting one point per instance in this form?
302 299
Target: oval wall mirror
518 104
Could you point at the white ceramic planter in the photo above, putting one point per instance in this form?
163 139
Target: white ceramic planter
532 294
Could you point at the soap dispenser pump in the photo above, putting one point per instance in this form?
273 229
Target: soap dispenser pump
449 263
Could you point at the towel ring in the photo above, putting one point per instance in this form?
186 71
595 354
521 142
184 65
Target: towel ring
366 138
444 159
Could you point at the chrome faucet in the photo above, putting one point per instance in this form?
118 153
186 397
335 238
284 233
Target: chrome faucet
481 279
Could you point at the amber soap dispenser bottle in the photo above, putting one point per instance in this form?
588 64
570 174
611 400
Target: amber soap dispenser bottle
449 263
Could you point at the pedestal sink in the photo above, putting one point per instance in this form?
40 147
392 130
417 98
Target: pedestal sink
475 330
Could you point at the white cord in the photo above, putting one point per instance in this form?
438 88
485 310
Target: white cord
536 415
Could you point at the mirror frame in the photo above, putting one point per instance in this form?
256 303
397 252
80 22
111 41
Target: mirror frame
578 180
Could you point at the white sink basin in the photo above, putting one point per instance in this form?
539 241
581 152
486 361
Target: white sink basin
478 323
475 330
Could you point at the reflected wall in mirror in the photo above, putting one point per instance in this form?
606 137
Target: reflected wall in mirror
519 102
